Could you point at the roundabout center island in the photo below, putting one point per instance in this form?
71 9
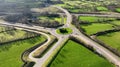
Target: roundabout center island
64 31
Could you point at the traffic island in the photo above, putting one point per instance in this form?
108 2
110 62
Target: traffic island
64 31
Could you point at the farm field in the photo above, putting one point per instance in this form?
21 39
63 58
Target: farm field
11 53
91 24
111 39
93 19
74 55
118 10
96 27
101 8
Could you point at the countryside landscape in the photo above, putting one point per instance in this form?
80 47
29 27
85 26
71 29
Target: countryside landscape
59 33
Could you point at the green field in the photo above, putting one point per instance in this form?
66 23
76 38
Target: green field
75 55
74 10
100 8
88 18
118 10
96 27
111 39
51 19
93 19
116 22
10 54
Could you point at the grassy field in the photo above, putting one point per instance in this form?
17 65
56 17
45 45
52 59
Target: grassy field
101 8
111 39
118 10
75 55
88 18
51 19
10 54
74 10
96 27
93 19
117 22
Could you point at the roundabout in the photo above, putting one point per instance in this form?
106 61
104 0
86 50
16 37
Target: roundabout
64 31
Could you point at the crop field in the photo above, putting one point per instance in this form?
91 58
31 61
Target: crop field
111 39
96 27
74 55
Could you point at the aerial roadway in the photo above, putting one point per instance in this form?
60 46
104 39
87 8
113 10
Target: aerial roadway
39 62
